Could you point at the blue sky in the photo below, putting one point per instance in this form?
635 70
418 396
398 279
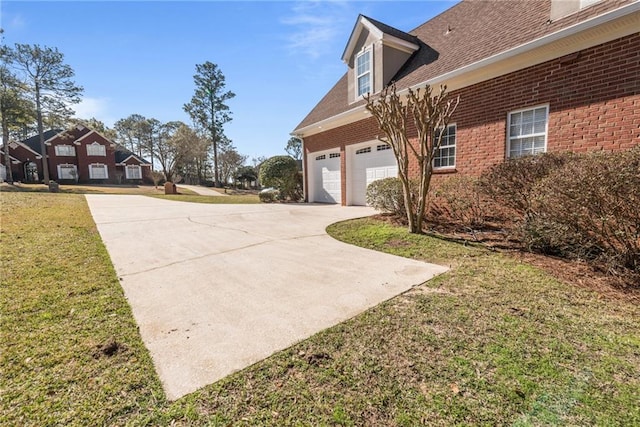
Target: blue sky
279 57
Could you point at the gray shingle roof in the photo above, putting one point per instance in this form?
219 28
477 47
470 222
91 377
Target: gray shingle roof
34 141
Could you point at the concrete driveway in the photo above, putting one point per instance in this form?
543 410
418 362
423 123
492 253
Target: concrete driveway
216 288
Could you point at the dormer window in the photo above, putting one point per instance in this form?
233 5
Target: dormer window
96 149
363 72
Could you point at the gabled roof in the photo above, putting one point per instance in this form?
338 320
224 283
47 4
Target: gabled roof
383 32
122 155
34 142
464 35
14 160
94 132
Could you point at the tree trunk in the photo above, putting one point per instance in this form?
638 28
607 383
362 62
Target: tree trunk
43 148
7 160
216 175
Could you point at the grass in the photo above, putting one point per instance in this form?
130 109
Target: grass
71 353
143 190
186 195
492 342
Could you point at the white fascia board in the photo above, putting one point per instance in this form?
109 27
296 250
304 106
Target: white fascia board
111 143
399 44
345 117
26 147
48 141
355 35
350 115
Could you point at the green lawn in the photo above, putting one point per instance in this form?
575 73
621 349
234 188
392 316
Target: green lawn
492 342
185 194
143 190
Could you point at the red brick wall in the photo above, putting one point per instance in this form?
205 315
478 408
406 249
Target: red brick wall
84 160
22 155
593 98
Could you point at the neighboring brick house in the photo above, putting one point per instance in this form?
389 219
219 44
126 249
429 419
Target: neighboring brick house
78 155
532 76
26 163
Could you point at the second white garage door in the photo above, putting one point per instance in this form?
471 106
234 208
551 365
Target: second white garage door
326 178
370 163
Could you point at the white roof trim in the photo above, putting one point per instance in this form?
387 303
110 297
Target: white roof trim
387 39
135 157
26 147
48 141
399 44
536 43
11 158
111 143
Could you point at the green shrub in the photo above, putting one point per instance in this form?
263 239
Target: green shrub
460 199
590 209
281 172
268 195
386 195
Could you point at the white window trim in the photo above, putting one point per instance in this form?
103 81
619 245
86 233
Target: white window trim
128 167
370 72
455 146
71 147
546 128
94 145
105 167
67 166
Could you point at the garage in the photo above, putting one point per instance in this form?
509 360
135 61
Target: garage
325 173
370 163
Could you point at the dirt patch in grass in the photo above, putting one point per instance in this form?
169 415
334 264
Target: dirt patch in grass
108 349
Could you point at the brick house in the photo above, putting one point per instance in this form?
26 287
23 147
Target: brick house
533 76
26 163
77 155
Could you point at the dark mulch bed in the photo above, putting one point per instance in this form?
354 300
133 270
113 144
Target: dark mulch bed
499 237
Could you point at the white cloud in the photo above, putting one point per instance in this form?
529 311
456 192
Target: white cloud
317 26
94 107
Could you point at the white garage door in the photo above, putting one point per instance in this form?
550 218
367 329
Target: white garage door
370 163
326 178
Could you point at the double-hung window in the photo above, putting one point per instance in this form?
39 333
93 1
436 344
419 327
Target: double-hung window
98 171
96 149
527 132
65 151
67 171
445 156
363 73
133 172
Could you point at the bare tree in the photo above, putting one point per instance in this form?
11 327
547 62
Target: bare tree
191 152
50 83
430 114
168 149
230 161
